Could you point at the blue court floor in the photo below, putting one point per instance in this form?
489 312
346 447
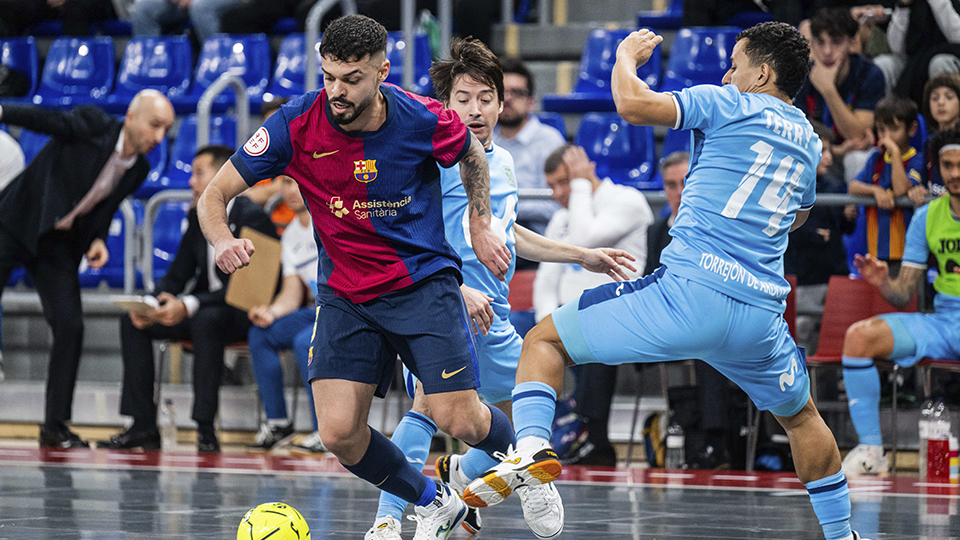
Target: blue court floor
96 494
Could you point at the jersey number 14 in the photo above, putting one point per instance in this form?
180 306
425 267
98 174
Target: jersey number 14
771 198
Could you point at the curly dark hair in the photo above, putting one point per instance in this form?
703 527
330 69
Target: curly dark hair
784 49
893 109
941 139
943 80
467 57
835 21
353 38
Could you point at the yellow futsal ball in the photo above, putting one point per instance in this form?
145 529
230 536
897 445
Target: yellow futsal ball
276 521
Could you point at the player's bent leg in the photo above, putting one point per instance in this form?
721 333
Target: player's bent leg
817 461
342 409
865 341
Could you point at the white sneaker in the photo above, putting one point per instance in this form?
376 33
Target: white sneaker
531 464
866 460
450 473
385 528
311 446
542 509
856 536
436 520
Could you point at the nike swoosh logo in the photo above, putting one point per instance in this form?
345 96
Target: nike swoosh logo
446 375
325 154
381 483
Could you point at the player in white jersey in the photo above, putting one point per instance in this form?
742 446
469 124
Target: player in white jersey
471 83
720 293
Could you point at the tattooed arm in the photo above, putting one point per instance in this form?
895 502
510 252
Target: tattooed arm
475 175
898 291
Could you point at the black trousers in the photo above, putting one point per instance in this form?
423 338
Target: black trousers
210 329
54 273
18 16
596 384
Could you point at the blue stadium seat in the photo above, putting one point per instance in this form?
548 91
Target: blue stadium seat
21 54
112 272
592 92
699 56
676 141
553 119
421 61
223 130
289 75
746 19
77 71
622 152
168 229
669 19
18 275
31 142
158 159
247 56
161 63
286 25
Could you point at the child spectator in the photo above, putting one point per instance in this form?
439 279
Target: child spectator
893 169
941 108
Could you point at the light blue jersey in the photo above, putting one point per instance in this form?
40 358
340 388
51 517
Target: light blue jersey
731 230
456 220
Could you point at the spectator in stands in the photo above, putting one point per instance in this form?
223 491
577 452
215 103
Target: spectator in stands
673 168
816 250
924 36
11 165
60 208
941 108
268 193
893 169
200 315
17 17
287 323
528 141
155 17
842 89
595 213
905 338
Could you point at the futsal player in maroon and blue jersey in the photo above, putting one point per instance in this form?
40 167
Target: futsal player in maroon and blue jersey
367 157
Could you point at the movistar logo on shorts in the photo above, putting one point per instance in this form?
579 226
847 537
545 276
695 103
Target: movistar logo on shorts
787 379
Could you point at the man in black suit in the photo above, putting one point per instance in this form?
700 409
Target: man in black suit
60 208
202 316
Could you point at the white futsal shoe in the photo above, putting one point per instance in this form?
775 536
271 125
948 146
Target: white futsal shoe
450 473
866 460
531 464
385 528
436 520
542 509
856 536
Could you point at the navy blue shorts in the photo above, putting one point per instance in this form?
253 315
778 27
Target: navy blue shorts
425 324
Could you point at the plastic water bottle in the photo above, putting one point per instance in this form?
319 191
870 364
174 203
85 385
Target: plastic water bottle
676 441
938 445
954 460
926 417
168 425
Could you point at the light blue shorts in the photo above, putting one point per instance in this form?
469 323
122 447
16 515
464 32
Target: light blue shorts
925 335
664 317
498 353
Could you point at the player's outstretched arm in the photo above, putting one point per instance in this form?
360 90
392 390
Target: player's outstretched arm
475 175
898 291
534 247
635 101
231 253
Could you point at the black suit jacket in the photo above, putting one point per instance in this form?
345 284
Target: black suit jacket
190 261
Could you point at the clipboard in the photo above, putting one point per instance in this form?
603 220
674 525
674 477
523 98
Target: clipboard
255 284
141 305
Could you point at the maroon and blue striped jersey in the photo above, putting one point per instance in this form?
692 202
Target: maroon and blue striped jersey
374 196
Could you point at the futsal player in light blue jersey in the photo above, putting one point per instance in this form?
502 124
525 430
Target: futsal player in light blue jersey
719 294
471 84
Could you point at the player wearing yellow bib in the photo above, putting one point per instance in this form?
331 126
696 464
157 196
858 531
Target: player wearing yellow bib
905 338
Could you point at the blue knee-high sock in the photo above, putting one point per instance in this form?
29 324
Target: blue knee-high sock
534 404
412 437
831 503
500 436
863 392
385 466
476 462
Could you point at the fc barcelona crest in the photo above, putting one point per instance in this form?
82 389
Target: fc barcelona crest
365 170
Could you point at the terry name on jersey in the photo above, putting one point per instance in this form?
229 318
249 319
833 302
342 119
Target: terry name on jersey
791 131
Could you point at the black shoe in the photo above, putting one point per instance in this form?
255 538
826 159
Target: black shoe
272 437
712 458
594 456
207 442
130 439
60 437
